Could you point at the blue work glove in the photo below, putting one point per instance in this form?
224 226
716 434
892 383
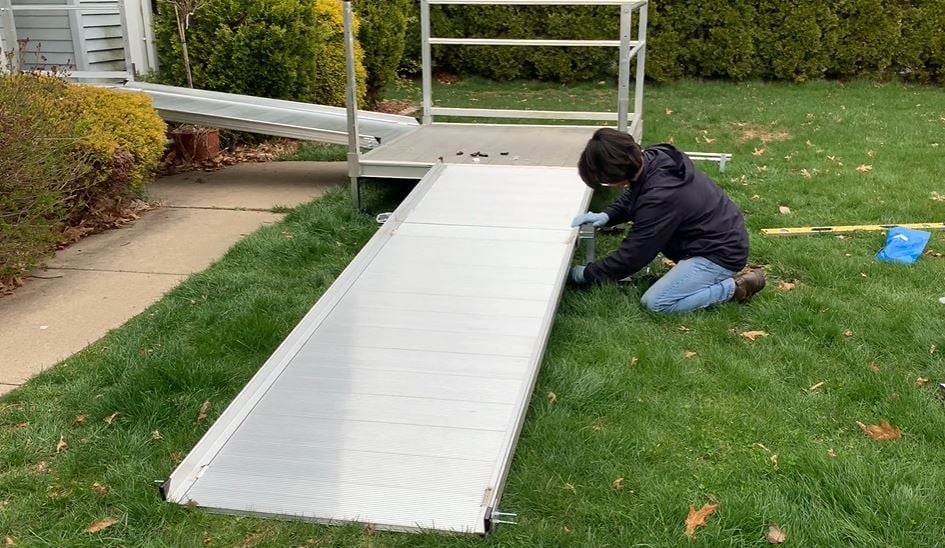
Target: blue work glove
577 275
589 218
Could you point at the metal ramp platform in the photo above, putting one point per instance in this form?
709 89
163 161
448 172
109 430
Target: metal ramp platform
398 399
291 119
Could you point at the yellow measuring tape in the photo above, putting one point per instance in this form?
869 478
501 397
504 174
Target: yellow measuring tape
806 230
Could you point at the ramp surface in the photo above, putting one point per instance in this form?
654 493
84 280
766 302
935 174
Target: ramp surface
289 119
398 399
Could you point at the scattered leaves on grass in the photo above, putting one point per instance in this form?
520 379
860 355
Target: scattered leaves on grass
775 535
880 432
101 525
618 484
79 419
689 355
753 335
816 386
111 418
765 135
922 381
864 168
785 285
847 333
784 210
204 408
696 518
938 197
156 435
759 151
806 173
62 445
634 361
99 489
552 397
874 368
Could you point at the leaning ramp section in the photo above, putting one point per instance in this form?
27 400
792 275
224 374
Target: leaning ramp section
291 119
398 399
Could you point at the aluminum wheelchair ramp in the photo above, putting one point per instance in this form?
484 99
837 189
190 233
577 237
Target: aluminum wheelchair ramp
398 399
291 119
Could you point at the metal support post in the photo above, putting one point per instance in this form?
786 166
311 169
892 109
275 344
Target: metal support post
354 150
126 41
641 74
426 61
623 84
588 235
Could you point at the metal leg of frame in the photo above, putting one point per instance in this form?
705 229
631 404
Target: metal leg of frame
588 235
356 193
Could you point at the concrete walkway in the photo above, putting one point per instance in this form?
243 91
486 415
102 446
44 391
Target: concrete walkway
105 280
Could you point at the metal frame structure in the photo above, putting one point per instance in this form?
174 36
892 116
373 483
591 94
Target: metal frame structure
7 10
366 166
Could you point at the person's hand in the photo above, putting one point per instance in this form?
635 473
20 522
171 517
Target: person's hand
577 275
590 218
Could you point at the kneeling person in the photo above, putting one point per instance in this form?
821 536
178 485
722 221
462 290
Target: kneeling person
675 209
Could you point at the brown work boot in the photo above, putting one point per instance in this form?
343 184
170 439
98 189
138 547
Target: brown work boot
749 283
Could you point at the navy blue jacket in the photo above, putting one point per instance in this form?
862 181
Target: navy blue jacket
675 209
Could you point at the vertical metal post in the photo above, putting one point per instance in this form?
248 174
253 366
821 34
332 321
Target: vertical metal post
623 77
354 150
8 35
126 42
80 60
426 61
641 74
588 235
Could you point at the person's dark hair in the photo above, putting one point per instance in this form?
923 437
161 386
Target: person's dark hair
610 156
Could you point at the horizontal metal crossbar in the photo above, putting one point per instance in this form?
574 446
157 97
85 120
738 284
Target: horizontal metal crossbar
808 230
526 42
633 4
536 114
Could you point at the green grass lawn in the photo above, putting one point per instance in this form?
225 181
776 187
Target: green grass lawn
679 431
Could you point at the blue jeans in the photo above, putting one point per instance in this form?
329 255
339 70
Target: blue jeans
692 284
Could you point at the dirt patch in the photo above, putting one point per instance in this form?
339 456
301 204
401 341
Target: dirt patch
752 132
393 106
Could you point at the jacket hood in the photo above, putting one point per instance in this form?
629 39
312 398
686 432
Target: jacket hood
662 160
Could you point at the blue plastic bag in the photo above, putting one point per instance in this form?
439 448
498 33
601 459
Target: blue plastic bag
904 245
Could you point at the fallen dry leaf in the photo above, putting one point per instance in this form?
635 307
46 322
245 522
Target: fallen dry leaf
880 432
177 457
668 112
775 535
938 197
847 333
922 381
871 153
552 397
932 349
62 445
684 329
570 487
784 210
634 362
41 467
618 484
816 386
762 446
752 335
774 460
785 285
806 173
874 368
101 525
99 488
756 197
79 419
8 541
689 355
22 425
831 453
759 151
156 435
109 419
204 408
668 263
696 518
864 168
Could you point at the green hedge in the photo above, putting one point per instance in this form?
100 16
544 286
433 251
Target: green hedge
383 26
282 49
738 39
70 153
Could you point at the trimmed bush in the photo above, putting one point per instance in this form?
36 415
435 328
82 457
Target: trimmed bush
738 39
382 32
282 49
68 151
